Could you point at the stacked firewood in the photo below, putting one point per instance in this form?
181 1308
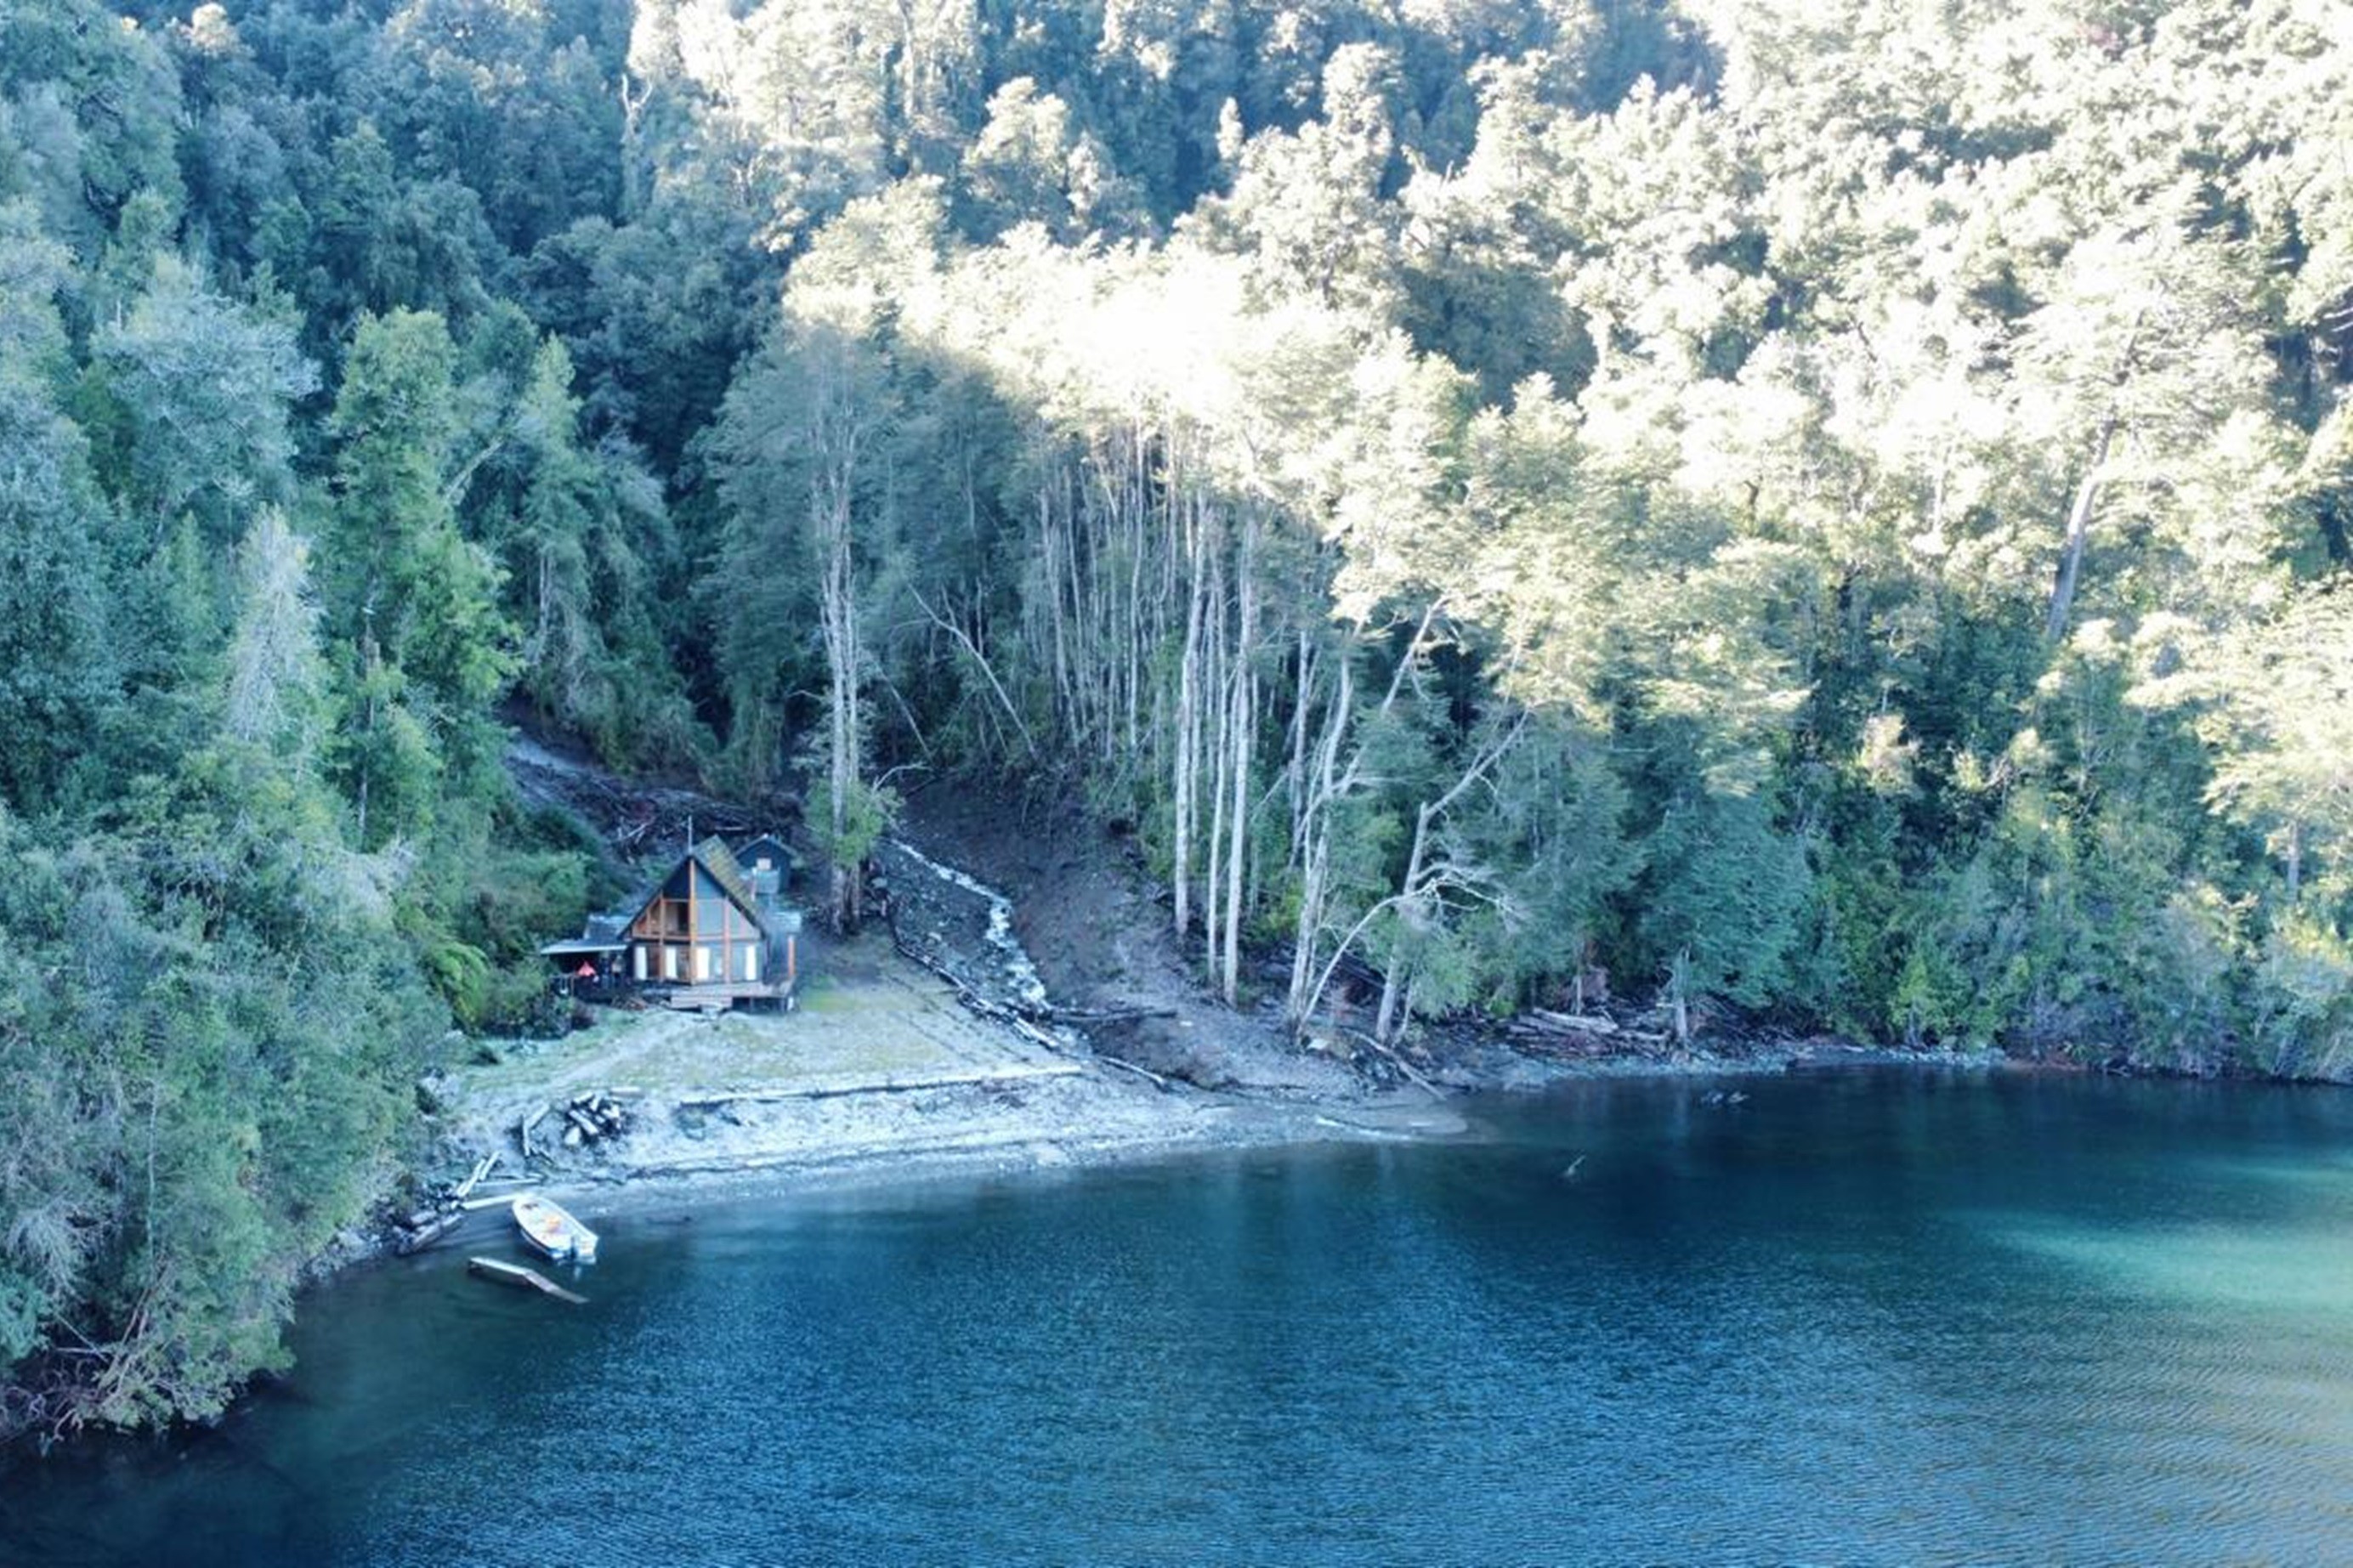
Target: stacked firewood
591 1117
587 1118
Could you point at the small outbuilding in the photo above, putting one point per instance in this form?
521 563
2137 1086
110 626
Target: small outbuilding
767 869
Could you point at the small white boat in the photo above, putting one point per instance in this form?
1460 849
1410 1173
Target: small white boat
549 1228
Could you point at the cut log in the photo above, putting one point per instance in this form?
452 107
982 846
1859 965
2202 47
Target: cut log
418 1238
585 1123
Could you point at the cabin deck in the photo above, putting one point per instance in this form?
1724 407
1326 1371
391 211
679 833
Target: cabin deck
727 993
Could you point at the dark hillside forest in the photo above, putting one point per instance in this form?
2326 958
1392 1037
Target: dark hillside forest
1830 513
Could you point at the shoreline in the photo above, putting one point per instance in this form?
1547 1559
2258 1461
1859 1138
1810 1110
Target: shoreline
1106 1121
859 1172
1187 1122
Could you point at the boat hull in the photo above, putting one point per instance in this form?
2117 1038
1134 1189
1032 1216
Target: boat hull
548 1230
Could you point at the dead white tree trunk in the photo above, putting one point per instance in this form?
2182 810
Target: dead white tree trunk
2079 532
1414 894
1331 787
1188 723
1239 729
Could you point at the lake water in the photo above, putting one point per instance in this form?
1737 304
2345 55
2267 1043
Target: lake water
1870 1317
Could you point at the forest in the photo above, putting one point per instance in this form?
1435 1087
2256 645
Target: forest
1823 514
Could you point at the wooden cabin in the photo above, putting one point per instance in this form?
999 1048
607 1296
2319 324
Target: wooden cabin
700 925
698 931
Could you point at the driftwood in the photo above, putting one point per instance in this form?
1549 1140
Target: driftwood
522 1132
450 1201
1106 1015
1402 1064
1158 1082
520 1278
417 1238
880 1086
1031 1032
481 1168
1591 1032
1591 1025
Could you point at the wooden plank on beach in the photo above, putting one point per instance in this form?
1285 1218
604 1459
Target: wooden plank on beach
520 1278
523 1130
481 1169
886 1086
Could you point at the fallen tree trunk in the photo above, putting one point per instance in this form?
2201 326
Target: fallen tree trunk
1536 1018
1106 1015
1153 1078
880 1086
1402 1065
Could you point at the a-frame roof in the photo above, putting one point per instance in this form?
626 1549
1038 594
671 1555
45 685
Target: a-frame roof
713 856
727 871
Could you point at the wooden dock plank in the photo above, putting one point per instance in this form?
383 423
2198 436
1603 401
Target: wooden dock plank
520 1278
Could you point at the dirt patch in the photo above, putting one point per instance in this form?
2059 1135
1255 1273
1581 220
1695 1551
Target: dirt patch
1100 934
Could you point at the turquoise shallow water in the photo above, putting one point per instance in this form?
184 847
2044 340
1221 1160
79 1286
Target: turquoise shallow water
1869 1317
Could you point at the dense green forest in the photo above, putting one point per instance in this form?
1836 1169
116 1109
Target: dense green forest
1825 512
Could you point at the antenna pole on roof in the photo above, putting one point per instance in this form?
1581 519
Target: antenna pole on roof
690 833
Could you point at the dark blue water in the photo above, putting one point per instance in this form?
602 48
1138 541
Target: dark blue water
1890 1317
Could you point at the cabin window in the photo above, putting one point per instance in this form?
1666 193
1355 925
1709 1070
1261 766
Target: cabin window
751 963
702 964
762 864
637 960
670 964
